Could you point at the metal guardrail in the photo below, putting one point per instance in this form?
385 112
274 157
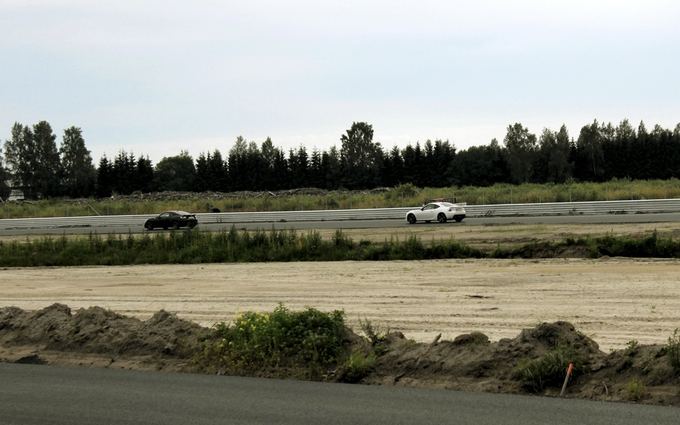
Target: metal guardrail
493 210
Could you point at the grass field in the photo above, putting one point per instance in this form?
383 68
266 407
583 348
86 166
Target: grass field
401 196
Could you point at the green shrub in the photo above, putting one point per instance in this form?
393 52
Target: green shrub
673 350
308 340
635 390
546 371
357 367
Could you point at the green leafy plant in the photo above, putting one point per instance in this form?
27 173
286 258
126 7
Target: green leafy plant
548 370
635 390
673 350
308 340
357 367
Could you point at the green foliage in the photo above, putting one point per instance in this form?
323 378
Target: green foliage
4 176
308 340
635 390
548 370
401 192
358 366
191 246
498 193
632 347
374 335
648 246
78 172
673 350
175 173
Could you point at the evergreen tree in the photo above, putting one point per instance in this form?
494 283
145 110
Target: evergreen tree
443 155
202 173
394 168
298 165
316 173
281 171
105 178
237 164
79 175
124 173
144 175
217 171
331 164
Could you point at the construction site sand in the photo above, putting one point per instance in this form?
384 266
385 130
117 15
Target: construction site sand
612 301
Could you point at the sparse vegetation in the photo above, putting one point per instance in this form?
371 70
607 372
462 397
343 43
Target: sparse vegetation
673 350
632 347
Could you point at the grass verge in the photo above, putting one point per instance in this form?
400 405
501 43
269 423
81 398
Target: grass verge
191 247
400 196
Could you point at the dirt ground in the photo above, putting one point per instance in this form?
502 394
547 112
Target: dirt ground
612 301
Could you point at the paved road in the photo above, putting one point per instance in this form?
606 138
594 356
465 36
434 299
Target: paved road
370 224
41 395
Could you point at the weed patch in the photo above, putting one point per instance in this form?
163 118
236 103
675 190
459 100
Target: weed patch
307 342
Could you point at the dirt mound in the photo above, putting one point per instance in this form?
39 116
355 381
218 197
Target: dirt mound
96 330
534 361
471 359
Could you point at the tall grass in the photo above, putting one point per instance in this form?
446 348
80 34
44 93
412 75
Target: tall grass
190 247
400 196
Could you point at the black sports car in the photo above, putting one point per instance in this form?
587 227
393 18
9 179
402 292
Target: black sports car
172 219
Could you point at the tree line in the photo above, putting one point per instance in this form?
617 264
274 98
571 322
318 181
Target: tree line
32 161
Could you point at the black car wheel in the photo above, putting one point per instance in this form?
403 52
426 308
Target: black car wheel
411 219
441 218
176 225
148 227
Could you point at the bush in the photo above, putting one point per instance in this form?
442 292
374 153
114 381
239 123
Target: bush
308 340
547 370
357 367
635 390
673 350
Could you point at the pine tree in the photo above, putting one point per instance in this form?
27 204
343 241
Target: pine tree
105 178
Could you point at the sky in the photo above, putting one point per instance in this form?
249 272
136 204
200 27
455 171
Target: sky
157 77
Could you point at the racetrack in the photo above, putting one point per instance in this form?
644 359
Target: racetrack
108 226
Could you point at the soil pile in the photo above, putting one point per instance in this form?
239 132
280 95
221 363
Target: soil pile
533 362
99 331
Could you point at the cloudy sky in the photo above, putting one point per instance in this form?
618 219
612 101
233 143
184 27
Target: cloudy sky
156 77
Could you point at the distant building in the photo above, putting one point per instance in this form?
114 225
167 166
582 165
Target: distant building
16 195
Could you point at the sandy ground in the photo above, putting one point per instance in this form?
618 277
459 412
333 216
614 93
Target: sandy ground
612 301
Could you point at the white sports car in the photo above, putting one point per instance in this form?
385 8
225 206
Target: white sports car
440 211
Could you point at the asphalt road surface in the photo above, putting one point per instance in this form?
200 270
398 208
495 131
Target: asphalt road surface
39 395
365 224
